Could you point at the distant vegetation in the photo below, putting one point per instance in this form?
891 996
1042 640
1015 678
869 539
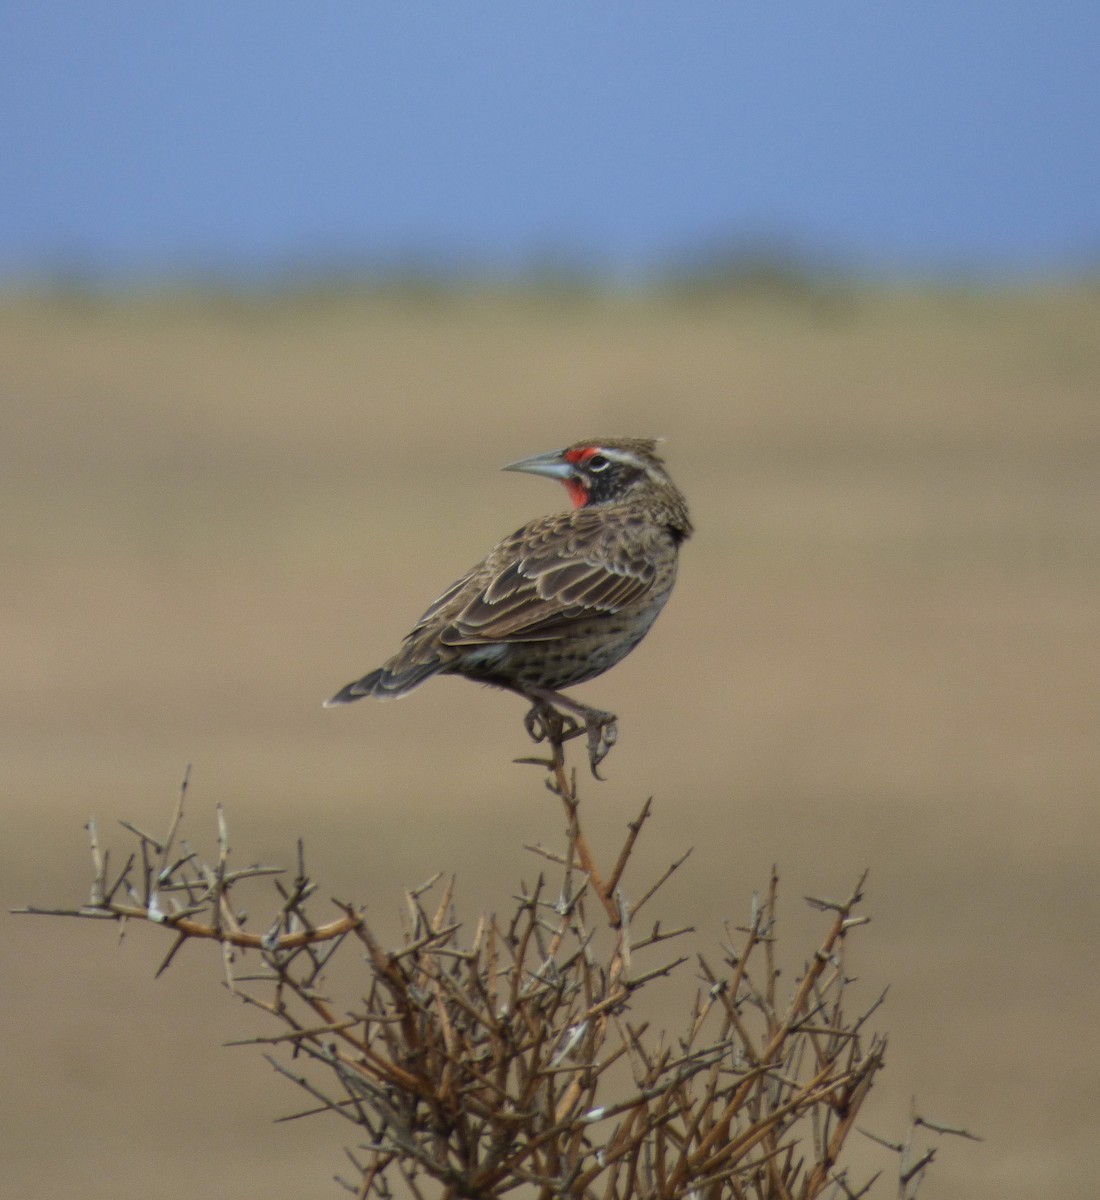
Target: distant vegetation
751 269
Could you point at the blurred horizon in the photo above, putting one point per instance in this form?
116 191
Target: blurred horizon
749 270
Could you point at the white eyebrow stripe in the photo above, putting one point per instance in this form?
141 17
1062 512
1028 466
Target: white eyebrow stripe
631 460
623 456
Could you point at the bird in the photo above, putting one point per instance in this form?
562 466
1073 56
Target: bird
561 600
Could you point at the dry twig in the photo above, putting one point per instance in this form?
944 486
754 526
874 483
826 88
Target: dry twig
514 1057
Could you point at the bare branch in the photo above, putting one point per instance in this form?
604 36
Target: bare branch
520 1056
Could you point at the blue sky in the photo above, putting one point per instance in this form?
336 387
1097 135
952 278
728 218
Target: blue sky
247 137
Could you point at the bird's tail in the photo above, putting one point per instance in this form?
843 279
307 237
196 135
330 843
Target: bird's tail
386 683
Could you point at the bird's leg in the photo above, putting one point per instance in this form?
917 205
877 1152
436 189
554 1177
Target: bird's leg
601 727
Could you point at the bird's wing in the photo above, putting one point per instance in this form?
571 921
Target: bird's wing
537 583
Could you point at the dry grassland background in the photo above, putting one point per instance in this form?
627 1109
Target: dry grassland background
883 652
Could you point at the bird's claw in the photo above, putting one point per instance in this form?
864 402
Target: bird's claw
603 732
544 723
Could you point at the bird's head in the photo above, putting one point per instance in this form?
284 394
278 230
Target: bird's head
610 471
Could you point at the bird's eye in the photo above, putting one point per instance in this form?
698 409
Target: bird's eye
598 463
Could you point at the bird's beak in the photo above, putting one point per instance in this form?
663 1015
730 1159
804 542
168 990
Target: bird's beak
551 464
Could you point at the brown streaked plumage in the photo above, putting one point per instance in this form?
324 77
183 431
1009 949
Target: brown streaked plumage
562 599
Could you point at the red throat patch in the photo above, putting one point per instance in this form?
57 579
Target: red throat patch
578 492
577 488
